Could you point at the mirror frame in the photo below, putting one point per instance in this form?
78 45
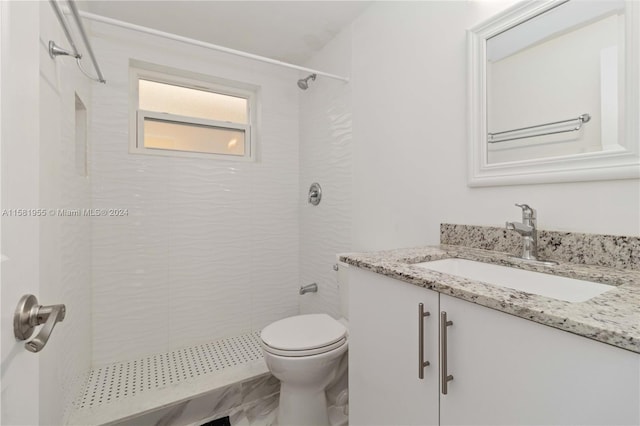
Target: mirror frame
623 164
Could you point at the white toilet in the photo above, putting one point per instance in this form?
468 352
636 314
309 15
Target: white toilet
304 353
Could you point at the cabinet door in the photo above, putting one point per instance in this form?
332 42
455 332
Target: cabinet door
384 388
510 371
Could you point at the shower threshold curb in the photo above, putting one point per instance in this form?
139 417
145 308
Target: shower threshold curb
130 407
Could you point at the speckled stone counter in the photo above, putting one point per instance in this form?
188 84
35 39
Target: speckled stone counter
612 317
613 251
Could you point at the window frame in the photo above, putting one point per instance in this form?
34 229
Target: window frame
191 81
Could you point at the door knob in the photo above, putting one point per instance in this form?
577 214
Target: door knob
29 314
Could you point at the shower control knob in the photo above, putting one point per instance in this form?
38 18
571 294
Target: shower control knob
315 194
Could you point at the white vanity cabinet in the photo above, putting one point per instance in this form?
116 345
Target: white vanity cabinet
510 371
506 370
384 387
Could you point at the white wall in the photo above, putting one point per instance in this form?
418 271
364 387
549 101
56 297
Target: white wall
410 138
210 247
325 157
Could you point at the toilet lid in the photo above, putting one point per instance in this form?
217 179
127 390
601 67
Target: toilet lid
303 332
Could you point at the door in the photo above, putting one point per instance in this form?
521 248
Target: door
384 383
510 371
19 233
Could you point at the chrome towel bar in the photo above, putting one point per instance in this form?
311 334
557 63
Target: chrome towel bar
506 135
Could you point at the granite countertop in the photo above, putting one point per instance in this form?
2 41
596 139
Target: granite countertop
612 317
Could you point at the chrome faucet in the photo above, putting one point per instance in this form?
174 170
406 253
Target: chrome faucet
527 229
529 232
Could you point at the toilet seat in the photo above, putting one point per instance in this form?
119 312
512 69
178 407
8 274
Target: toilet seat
303 335
305 352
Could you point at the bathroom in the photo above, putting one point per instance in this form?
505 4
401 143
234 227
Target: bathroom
215 249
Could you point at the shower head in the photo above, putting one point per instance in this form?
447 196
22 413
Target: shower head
303 83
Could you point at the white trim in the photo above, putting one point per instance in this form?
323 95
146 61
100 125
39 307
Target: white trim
163 116
175 37
172 118
604 165
139 70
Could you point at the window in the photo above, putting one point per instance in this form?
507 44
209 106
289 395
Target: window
184 114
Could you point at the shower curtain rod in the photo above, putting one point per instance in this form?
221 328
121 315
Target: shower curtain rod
55 50
170 36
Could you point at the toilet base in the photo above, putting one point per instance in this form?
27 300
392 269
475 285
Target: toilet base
302 406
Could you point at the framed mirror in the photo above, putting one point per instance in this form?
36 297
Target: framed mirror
554 93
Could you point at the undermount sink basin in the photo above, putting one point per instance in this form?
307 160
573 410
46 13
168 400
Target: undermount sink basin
561 288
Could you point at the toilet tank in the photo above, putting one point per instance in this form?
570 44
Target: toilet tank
343 289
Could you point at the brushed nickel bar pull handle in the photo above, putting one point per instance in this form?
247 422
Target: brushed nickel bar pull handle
446 377
421 362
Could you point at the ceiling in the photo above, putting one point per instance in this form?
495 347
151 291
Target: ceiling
290 31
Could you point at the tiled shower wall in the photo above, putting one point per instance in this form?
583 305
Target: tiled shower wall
325 157
209 248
